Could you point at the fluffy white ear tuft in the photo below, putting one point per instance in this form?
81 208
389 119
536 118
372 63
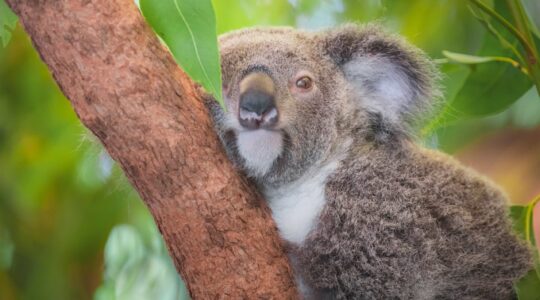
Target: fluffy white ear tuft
389 76
380 85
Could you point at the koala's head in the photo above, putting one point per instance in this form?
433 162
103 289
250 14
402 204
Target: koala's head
296 99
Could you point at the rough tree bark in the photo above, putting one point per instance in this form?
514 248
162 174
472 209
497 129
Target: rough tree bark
149 116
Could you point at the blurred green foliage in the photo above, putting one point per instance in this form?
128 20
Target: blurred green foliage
138 268
61 195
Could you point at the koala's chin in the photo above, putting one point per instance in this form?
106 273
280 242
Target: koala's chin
259 149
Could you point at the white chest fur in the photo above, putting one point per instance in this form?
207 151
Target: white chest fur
296 207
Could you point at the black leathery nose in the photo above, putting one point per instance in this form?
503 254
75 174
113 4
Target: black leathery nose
256 101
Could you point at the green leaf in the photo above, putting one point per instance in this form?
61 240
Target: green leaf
490 88
473 59
188 27
467 59
484 89
485 21
8 20
522 220
518 214
528 288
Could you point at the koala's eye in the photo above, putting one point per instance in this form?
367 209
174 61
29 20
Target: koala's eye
304 83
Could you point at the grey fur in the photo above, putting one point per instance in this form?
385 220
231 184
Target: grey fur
399 221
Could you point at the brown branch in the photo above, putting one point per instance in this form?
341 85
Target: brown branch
147 113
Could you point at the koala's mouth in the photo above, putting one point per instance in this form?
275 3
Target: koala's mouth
260 148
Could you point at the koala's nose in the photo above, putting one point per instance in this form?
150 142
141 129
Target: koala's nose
257 108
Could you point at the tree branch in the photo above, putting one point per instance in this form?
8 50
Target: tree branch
127 89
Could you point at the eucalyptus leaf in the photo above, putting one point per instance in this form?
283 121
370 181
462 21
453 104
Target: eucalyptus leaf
188 28
518 215
473 59
8 20
491 88
485 20
528 288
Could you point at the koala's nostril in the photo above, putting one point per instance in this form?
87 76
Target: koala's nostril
257 109
256 101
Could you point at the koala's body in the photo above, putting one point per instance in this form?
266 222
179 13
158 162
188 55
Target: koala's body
323 122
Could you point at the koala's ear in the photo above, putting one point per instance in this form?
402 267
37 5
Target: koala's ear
389 76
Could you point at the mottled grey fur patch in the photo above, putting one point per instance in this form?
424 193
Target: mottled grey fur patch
406 222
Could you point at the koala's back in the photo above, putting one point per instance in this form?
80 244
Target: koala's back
412 225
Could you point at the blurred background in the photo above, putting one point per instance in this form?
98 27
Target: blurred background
71 227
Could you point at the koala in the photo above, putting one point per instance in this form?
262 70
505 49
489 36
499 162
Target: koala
324 124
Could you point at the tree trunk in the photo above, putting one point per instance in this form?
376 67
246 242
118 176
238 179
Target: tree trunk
126 88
